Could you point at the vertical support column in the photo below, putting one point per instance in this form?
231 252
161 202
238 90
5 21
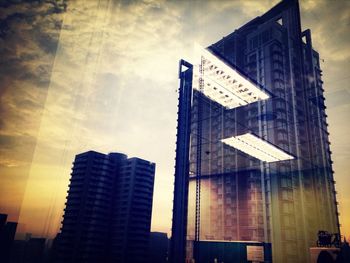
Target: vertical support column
199 156
198 165
179 228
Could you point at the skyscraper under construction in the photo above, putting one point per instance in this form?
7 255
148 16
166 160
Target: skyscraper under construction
257 166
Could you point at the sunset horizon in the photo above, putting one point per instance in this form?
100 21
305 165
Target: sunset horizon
102 76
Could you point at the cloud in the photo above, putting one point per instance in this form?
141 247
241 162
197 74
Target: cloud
28 33
338 98
108 76
332 35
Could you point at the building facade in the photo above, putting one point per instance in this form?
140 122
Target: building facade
108 210
284 203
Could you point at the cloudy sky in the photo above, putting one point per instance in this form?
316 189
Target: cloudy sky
102 75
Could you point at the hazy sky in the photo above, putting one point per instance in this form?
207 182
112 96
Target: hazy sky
102 75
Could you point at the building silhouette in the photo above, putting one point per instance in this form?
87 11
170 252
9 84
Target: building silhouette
158 247
7 236
221 192
108 210
29 250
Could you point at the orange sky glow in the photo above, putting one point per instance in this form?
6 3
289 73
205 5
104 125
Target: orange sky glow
102 75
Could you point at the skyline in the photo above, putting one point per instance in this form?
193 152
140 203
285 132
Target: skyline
133 82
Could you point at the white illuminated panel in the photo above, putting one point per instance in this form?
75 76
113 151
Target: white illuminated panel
224 84
258 148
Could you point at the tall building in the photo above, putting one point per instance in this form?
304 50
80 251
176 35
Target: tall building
233 194
108 210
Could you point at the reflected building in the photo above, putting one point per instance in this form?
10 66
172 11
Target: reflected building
108 210
235 196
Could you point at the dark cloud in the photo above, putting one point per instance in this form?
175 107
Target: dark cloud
7 141
58 6
14 141
47 42
5 24
28 104
331 36
29 34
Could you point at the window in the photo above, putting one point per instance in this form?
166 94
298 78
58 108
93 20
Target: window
290 234
286 182
287 221
287 195
280 21
280 104
282 136
288 208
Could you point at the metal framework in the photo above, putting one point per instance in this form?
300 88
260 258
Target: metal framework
179 227
258 148
216 80
198 162
223 84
